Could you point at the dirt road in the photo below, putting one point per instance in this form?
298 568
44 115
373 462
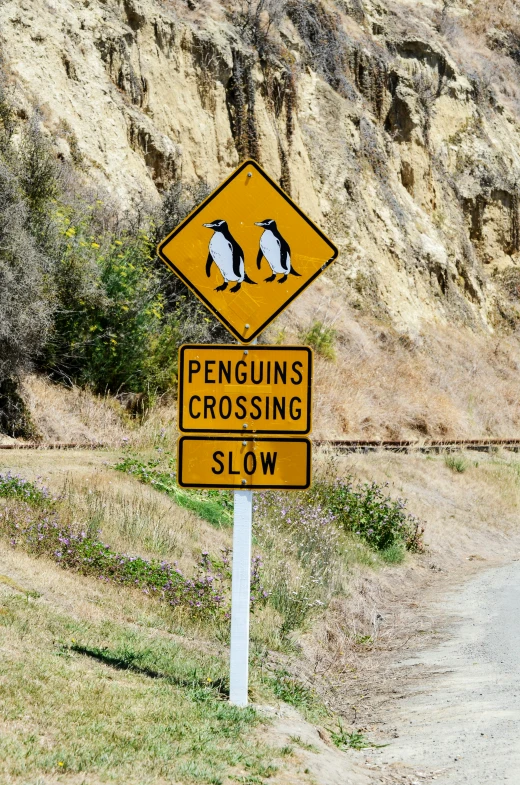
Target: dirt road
461 720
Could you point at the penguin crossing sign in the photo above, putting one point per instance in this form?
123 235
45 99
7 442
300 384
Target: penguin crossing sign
231 389
247 251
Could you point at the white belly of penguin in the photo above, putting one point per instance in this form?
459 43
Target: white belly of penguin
221 252
270 246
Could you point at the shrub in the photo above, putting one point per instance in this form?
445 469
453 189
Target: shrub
37 523
362 509
369 512
193 322
113 334
82 293
302 535
26 294
457 463
15 417
321 338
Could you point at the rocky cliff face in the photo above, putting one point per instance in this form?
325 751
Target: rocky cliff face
381 119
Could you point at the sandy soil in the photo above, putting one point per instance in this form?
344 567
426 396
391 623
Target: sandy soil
459 722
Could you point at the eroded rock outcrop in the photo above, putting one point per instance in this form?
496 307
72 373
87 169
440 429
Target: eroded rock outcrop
360 109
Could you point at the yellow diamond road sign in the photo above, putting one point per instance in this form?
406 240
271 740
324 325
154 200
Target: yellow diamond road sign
247 251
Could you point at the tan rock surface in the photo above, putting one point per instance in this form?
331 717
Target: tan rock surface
410 169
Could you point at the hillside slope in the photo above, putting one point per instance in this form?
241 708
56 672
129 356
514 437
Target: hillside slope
146 683
406 153
394 124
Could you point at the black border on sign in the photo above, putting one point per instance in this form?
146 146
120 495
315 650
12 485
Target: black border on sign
201 297
212 347
182 439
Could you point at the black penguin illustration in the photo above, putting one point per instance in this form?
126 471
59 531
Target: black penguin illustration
227 255
276 250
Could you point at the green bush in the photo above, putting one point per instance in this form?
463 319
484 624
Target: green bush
321 338
114 333
83 295
457 463
369 512
123 314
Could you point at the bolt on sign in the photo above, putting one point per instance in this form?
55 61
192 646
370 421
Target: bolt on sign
247 251
251 463
230 389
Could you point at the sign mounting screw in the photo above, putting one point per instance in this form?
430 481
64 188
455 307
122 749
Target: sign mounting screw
249 174
244 482
246 352
246 326
244 443
244 425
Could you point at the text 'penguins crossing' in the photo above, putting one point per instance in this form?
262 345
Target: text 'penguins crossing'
262 389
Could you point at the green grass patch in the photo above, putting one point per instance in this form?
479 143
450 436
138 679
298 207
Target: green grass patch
394 554
213 506
106 702
322 339
291 690
354 740
457 463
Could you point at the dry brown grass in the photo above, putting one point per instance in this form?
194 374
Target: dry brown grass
484 17
440 381
481 37
64 414
74 415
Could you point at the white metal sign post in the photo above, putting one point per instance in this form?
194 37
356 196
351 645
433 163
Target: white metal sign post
240 597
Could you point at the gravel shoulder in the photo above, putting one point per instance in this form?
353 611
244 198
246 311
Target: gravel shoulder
459 722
